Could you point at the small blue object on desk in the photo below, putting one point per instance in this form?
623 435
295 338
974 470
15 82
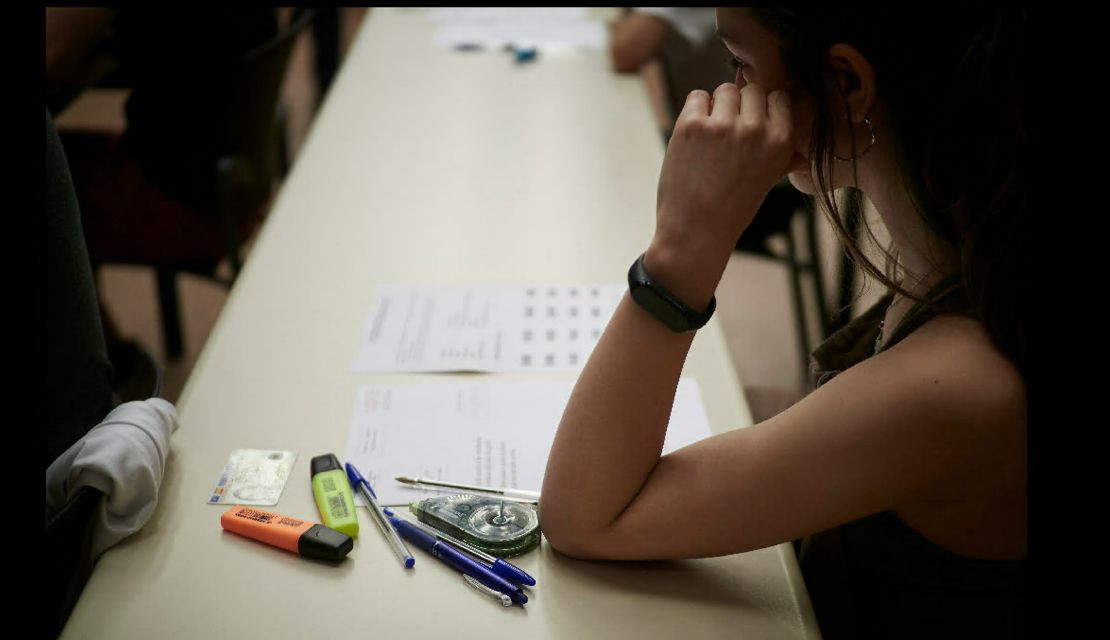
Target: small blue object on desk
524 55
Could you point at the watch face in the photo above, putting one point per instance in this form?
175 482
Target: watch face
661 304
659 307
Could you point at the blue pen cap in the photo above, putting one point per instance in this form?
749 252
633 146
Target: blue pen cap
512 573
355 478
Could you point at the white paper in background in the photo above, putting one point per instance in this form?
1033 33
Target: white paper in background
446 15
541 27
490 434
488 329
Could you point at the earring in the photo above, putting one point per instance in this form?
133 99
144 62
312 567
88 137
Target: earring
859 155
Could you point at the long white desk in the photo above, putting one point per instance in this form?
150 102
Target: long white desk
425 166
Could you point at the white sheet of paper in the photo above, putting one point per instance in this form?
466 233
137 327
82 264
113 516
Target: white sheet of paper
486 329
489 434
495 27
443 15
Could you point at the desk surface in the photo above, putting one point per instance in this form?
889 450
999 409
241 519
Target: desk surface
424 166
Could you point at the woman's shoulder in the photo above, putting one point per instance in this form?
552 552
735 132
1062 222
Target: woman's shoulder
951 367
976 399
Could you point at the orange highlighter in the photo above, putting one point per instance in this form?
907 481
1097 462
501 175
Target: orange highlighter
308 539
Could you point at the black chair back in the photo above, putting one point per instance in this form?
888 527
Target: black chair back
252 135
252 113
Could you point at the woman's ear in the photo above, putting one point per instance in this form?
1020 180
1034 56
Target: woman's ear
855 77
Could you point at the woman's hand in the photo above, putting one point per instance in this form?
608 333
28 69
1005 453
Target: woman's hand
725 154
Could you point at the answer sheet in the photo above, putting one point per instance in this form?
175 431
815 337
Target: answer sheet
488 434
495 27
490 329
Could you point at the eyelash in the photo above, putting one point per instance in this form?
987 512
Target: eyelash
736 65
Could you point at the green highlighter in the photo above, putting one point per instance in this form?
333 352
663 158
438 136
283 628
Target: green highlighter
333 495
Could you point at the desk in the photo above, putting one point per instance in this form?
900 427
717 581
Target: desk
424 166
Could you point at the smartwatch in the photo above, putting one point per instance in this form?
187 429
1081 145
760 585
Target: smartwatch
662 304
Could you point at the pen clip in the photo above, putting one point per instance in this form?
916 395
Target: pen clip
505 600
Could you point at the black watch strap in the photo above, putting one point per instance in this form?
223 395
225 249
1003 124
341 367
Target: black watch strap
662 304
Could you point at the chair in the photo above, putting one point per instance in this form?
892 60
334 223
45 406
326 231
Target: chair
250 134
852 210
775 218
259 156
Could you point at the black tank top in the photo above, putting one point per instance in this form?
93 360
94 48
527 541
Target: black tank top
878 578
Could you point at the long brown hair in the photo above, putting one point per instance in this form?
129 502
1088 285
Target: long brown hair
955 85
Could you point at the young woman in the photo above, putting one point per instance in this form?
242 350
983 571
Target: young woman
905 470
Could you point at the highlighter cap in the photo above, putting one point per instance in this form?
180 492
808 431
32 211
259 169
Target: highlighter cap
326 462
323 543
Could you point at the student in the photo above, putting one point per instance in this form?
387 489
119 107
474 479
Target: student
904 472
640 34
681 41
78 373
104 458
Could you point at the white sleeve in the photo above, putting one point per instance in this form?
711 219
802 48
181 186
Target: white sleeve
124 457
696 24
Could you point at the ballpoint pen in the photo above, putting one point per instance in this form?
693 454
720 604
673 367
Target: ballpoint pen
499 566
505 600
361 485
458 560
522 495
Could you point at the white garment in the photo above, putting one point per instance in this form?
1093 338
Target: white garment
696 24
124 457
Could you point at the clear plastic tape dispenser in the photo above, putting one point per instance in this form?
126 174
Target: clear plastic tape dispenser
498 527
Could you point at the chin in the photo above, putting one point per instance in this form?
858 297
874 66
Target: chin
803 181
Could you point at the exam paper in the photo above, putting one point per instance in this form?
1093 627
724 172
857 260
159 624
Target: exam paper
495 27
489 329
489 434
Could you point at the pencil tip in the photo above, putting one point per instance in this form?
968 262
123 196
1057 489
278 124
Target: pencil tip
405 479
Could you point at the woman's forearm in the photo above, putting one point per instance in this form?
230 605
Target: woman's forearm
725 154
613 428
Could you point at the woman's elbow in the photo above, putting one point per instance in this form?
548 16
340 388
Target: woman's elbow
575 547
566 537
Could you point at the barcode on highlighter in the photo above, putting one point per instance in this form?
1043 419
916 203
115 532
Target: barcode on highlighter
337 506
258 516
328 484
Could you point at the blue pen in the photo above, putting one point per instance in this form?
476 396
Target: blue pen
458 560
499 566
362 486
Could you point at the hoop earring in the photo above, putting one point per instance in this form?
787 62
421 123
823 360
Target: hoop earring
870 126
